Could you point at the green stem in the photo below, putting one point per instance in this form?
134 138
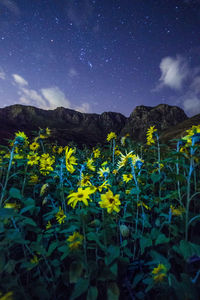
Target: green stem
7 175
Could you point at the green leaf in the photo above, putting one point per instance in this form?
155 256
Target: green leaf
52 247
15 193
92 293
187 249
161 239
29 221
144 243
80 288
155 177
75 271
112 291
138 277
92 236
7 212
113 253
135 191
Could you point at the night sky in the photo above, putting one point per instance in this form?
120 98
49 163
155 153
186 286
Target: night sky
100 55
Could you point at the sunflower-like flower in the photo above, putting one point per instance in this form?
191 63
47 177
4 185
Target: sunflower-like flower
127 177
159 273
90 165
33 179
96 153
34 146
33 158
21 138
60 150
104 185
85 180
46 163
13 205
124 159
109 201
103 172
150 133
75 240
82 195
60 216
111 135
70 159
177 211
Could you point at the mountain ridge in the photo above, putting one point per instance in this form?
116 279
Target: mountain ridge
91 128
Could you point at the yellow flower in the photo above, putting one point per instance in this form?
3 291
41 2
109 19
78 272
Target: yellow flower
82 195
104 163
124 159
85 180
7 296
115 171
75 240
12 205
177 211
48 226
159 273
90 164
34 260
96 153
48 131
34 146
150 133
117 152
33 179
111 135
46 163
127 177
123 141
54 149
70 160
159 277
104 185
60 216
103 172
60 150
21 135
127 192
33 159
109 201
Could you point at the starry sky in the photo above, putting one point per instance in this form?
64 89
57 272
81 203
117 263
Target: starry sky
100 55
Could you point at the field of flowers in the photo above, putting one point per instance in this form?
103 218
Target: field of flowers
119 221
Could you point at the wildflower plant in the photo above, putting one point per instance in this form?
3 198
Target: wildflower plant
90 223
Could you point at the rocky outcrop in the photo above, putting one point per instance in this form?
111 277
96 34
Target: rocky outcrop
67 125
162 116
90 129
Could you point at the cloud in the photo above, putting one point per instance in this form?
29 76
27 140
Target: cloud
19 80
73 73
174 71
11 6
191 105
84 108
55 97
32 97
46 98
2 74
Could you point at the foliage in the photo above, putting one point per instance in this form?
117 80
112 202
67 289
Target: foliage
117 222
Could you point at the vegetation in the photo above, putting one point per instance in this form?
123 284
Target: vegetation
119 222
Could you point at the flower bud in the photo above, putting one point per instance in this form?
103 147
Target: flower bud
124 230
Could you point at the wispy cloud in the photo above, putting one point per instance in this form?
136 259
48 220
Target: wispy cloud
45 98
11 6
174 71
84 108
19 80
2 74
55 97
73 73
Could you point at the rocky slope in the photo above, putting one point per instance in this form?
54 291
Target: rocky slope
69 125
